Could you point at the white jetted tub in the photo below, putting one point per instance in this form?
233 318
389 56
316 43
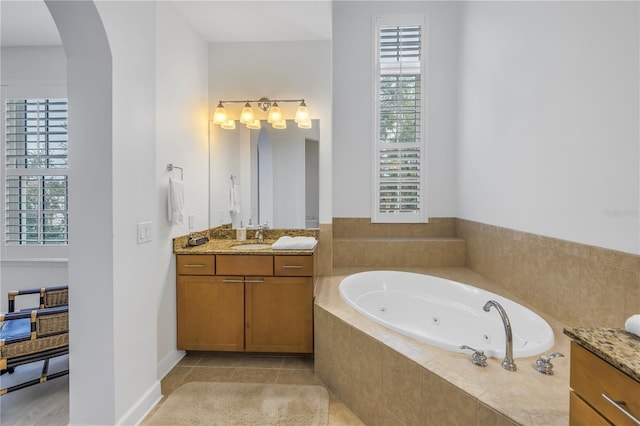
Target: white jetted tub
444 313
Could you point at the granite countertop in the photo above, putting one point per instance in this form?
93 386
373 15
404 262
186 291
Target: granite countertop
618 347
222 239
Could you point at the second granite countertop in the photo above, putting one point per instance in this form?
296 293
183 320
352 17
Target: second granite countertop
616 346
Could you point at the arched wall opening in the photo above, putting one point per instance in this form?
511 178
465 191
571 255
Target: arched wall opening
89 89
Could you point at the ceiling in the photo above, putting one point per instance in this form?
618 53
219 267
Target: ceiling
28 22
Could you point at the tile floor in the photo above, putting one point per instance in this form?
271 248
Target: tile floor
253 368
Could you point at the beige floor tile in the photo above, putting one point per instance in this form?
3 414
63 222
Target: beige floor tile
190 359
209 374
274 362
298 377
255 375
297 363
220 360
174 379
340 415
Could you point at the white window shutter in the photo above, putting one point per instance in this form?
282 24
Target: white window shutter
36 182
400 149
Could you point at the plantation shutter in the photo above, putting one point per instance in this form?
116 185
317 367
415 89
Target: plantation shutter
399 178
36 182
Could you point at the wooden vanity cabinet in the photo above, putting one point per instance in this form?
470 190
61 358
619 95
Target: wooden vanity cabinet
591 379
210 313
253 303
279 309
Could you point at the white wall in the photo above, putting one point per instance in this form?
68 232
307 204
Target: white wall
549 119
353 73
33 64
280 70
181 139
130 28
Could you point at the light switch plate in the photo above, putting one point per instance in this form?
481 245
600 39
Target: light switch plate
144 232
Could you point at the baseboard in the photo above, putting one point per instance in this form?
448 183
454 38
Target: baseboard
168 362
136 414
141 409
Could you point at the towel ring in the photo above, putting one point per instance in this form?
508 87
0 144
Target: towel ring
170 168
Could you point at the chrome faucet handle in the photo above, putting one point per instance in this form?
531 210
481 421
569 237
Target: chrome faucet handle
543 364
478 358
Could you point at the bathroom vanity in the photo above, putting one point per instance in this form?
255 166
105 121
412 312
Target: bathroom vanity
605 377
230 299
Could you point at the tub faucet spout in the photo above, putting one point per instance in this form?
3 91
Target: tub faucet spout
507 363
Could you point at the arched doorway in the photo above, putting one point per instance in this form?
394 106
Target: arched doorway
89 83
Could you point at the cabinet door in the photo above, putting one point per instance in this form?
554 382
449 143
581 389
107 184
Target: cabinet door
279 314
210 313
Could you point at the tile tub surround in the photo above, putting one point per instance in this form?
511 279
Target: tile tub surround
358 242
549 273
387 378
581 285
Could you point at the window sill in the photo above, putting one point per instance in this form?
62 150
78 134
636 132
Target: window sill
32 260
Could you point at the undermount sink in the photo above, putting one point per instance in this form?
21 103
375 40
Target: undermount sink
255 246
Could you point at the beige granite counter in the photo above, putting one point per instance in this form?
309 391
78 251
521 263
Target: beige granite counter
222 240
616 346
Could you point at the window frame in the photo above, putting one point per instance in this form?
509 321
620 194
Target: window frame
421 216
30 252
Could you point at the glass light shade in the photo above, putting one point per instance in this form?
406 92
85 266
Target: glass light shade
275 115
306 124
220 115
246 116
282 124
229 125
302 113
255 124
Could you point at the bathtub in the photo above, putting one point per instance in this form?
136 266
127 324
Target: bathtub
444 313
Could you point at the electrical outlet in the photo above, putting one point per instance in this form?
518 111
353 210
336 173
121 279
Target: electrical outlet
144 232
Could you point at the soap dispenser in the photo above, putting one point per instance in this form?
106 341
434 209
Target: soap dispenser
241 233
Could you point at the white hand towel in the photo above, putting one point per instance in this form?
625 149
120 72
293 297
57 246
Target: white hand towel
234 198
175 203
294 243
632 325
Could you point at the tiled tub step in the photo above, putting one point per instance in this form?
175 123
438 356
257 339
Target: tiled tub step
398 252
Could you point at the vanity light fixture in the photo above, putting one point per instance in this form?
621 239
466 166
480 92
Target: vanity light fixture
275 116
220 115
246 116
229 125
302 114
282 124
255 124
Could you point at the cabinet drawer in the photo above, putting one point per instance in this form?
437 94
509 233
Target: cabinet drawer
592 377
581 414
293 266
244 265
195 264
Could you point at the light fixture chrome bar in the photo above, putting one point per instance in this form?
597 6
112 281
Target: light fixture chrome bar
262 100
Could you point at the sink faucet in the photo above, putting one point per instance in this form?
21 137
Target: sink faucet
260 234
507 363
